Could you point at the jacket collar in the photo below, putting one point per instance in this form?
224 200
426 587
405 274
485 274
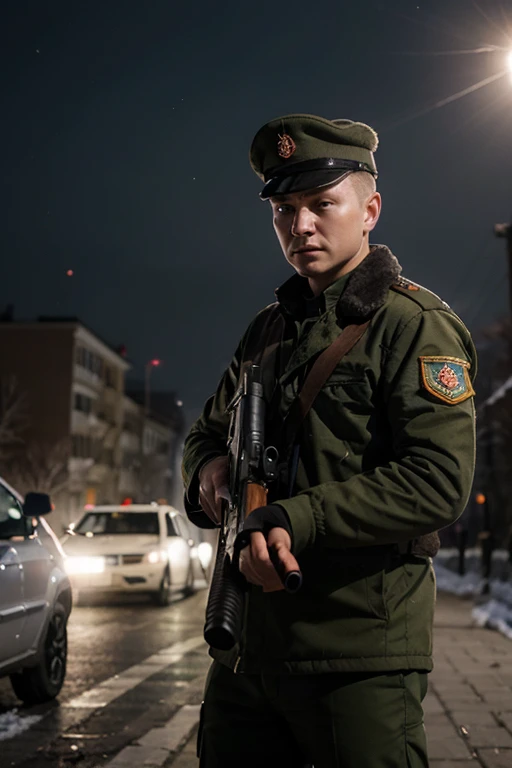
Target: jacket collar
365 290
362 291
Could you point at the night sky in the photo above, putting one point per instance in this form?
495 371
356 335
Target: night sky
125 134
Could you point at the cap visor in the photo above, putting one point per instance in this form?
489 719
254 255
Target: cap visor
300 182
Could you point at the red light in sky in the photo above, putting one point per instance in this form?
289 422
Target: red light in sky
156 363
70 273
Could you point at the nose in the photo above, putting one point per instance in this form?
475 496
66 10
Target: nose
303 223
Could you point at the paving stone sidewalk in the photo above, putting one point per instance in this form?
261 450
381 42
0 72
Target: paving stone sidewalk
468 709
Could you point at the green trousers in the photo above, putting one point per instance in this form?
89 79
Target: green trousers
333 720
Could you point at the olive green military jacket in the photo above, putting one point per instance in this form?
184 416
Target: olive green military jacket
386 456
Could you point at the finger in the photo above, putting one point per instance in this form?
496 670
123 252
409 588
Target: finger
260 561
223 492
207 507
285 556
252 568
247 569
205 502
218 502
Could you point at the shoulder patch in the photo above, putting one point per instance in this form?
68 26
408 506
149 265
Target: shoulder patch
447 378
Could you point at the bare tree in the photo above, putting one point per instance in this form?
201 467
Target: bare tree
13 414
41 466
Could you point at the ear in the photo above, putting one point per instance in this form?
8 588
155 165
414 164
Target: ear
372 212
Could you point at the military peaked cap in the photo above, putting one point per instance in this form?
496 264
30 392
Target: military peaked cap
299 152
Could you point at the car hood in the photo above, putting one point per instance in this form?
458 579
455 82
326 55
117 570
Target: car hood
122 544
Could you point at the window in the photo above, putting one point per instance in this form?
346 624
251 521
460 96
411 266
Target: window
83 446
171 530
82 403
110 377
181 527
99 523
12 522
89 360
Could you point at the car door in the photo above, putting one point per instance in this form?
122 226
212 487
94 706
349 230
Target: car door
37 563
179 550
13 528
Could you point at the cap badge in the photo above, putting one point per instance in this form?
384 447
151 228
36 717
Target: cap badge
285 146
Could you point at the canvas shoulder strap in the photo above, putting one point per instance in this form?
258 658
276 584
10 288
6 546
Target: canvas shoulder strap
324 365
322 368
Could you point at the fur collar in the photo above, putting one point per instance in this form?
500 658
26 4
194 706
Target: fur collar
365 291
368 285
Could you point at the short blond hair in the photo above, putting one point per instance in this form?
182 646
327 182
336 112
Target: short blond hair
364 184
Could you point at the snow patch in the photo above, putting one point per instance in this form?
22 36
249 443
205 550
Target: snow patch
493 610
464 586
12 724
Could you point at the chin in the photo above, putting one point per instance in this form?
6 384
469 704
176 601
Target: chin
311 270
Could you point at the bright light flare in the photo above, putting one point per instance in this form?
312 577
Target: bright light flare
204 553
509 61
83 565
157 556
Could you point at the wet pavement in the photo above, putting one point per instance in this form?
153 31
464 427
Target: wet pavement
135 681
131 667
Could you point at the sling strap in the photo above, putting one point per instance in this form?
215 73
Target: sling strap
322 368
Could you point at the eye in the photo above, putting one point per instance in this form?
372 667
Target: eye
284 208
325 204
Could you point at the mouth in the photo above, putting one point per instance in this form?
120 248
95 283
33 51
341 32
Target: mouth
307 250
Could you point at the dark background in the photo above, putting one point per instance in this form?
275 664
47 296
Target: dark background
125 131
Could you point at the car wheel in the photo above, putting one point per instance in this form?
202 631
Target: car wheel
43 682
163 596
189 587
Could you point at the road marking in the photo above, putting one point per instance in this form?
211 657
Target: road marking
110 689
155 747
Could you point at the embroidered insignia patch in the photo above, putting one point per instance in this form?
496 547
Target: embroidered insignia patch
447 378
285 146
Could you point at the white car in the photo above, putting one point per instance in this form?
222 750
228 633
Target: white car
35 598
134 548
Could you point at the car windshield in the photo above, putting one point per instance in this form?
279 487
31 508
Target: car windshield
118 522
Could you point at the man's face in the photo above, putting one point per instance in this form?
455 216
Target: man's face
324 232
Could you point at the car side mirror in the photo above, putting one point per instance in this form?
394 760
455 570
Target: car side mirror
36 504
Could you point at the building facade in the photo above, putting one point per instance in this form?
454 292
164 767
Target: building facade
83 440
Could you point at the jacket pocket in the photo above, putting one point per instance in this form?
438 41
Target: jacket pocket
375 595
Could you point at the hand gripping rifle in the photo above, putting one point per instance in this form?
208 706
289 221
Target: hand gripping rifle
251 467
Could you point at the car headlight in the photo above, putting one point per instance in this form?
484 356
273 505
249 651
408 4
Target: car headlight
156 556
204 553
76 565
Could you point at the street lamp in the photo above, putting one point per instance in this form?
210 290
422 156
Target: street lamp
149 367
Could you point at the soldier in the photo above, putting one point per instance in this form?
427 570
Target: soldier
335 674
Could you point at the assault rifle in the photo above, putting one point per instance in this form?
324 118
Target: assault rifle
251 467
